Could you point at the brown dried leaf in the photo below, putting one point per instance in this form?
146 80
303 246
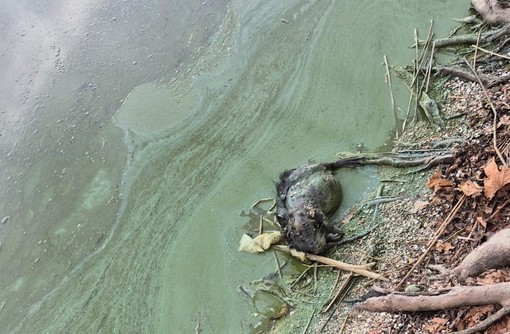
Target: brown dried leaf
440 321
496 178
470 188
501 327
436 182
418 206
444 247
435 325
504 120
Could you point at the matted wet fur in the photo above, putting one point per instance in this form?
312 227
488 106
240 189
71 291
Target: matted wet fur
307 197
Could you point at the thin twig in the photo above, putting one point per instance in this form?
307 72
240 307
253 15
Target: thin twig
261 224
388 79
278 265
360 270
334 310
429 68
414 83
309 321
434 239
476 48
490 52
300 276
340 290
407 112
262 200
335 284
341 330
315 280
494 112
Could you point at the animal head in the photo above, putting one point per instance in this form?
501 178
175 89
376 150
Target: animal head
305 232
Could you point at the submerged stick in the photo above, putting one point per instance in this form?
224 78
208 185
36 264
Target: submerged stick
388 79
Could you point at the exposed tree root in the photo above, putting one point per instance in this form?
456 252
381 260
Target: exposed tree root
470 39
426 159
493 254
460 296
487 80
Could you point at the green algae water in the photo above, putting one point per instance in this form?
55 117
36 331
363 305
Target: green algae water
133 144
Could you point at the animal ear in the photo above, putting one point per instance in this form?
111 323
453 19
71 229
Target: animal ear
283 217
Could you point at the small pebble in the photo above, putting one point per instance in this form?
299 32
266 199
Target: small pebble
5 219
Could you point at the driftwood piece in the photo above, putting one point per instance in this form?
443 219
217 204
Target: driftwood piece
357 269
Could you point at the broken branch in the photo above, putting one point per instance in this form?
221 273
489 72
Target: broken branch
357 269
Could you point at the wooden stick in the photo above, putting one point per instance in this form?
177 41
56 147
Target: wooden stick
279 269
476 48
360 270
262 200
340 290
490 52
388 79
309 321
429 68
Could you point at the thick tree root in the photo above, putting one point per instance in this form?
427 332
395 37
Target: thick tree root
460 296
493 254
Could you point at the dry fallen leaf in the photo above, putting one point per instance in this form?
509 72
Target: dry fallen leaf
444 247
504 120
436 182
470 188
496 178
418 206
440 321
435 325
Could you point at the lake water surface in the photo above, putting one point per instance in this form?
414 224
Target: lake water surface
133 133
